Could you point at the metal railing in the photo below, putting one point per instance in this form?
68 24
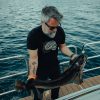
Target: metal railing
22 56
78 94
19 56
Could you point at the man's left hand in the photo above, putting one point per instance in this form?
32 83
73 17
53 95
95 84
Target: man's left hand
73 57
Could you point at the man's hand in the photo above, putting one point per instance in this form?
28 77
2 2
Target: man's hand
73 57
32 77
29 84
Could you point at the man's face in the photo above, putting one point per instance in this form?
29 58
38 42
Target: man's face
51 27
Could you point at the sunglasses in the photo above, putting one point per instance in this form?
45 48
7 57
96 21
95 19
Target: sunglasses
52 27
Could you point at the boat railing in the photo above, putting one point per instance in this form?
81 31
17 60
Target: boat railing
75 95
24 57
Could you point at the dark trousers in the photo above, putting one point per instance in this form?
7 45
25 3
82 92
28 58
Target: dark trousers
52 73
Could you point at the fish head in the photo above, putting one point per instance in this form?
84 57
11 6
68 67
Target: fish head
80 62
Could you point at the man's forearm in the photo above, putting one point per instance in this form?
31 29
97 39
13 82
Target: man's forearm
66 51
33 64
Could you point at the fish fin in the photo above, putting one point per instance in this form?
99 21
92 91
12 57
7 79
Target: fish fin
79 78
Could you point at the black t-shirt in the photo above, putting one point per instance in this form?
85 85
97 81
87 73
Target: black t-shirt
47 47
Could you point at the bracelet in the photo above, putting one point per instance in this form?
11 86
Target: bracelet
72 55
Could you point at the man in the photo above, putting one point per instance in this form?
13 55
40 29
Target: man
43 43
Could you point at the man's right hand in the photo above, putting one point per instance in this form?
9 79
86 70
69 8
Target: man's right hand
32 77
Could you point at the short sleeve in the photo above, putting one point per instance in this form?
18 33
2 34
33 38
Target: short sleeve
32 42
61 36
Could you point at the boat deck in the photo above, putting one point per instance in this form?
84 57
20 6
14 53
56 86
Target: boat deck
70 88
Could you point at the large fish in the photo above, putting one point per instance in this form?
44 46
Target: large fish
73 72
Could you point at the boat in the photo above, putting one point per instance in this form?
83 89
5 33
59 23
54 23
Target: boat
89 89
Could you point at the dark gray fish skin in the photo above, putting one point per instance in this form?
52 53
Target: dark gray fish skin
67 77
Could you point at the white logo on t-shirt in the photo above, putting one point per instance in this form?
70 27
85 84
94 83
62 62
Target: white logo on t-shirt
51 45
